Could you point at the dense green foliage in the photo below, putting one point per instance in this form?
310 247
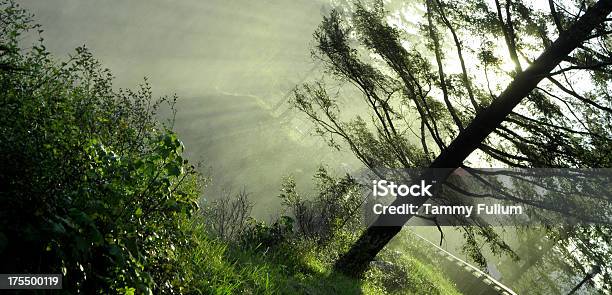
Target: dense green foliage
93 187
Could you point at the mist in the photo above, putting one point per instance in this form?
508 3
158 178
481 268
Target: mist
232 64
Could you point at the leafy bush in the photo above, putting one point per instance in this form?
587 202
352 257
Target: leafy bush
334 209
332 215
93 186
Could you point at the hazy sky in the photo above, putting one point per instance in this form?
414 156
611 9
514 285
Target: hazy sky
190 46
229 61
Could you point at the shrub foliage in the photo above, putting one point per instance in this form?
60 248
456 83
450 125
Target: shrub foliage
92 185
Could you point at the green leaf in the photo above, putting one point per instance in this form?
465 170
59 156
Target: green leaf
174 169
138 212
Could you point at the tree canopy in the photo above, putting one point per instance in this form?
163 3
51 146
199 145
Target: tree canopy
471 84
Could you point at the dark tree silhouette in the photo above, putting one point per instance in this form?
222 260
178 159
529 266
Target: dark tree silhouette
488 124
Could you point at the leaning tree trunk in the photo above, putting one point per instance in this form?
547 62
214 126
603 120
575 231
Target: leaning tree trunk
355 262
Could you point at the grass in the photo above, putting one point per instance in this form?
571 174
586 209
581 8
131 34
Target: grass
212 266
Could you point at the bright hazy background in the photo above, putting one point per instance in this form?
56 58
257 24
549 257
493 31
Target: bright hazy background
232 63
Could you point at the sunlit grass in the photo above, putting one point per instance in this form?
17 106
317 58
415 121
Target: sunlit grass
212 266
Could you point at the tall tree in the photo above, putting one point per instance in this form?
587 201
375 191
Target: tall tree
461 119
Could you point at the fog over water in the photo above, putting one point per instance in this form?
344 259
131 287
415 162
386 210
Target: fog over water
232 64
